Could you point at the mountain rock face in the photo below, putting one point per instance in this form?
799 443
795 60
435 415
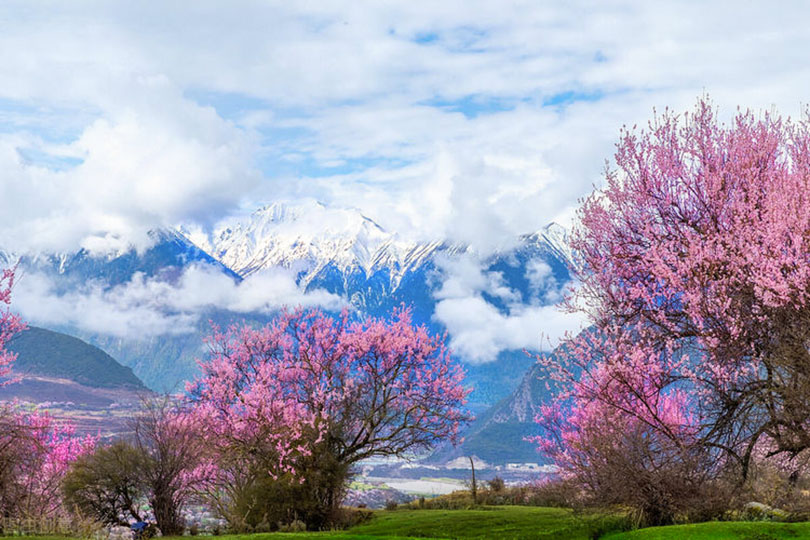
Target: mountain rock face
497 436
165 259
339 251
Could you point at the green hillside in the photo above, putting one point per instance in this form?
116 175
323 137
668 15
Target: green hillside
719 530
53 354
524 523
499 434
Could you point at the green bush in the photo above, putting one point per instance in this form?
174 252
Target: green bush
266 504
293 527
496 485
106 484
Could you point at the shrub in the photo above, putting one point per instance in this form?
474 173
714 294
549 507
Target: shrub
264 501
294 526
106 484
496 484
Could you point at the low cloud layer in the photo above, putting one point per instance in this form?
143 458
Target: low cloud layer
143 308
480 330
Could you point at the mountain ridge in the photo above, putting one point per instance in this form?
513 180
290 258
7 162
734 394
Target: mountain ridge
47 353
339 251
280 235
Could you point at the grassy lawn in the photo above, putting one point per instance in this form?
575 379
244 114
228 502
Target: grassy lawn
519 522
719 530
498 522
505 522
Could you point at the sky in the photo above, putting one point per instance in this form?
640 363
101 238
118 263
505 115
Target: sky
472 121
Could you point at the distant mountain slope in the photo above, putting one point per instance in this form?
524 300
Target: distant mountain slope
42 352
338 250
165 259
497 436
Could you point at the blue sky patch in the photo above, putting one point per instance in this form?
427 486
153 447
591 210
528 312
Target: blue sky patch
229 105
40 158
475 105
51 124
568 97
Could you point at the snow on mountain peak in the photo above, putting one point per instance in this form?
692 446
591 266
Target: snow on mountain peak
308 236
308 233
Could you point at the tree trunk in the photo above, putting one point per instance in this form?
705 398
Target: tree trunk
473 487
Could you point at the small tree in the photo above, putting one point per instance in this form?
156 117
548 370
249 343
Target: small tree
156 465
10 325
309 389
19 446
170 445
107 484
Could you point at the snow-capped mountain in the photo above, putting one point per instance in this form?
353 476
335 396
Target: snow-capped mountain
347 253
311 237
165 259
336 250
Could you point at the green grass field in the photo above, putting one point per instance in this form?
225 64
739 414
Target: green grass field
493 522
719 530
518 522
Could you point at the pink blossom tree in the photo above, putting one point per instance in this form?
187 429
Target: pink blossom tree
48 449
693 263
35 451
169 441
10 324
310 392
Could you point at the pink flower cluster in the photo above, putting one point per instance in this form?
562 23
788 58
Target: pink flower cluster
51 447
37 449
693 262
367 387
10 324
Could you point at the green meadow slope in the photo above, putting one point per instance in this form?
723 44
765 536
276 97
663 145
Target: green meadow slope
46 353
517 522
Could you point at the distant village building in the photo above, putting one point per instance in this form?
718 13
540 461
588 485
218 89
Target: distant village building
531 467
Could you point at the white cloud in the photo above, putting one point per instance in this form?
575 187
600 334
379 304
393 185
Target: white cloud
480 330
140 168
150 307
463 119
464 275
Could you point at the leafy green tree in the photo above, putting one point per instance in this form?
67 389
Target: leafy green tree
107 484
